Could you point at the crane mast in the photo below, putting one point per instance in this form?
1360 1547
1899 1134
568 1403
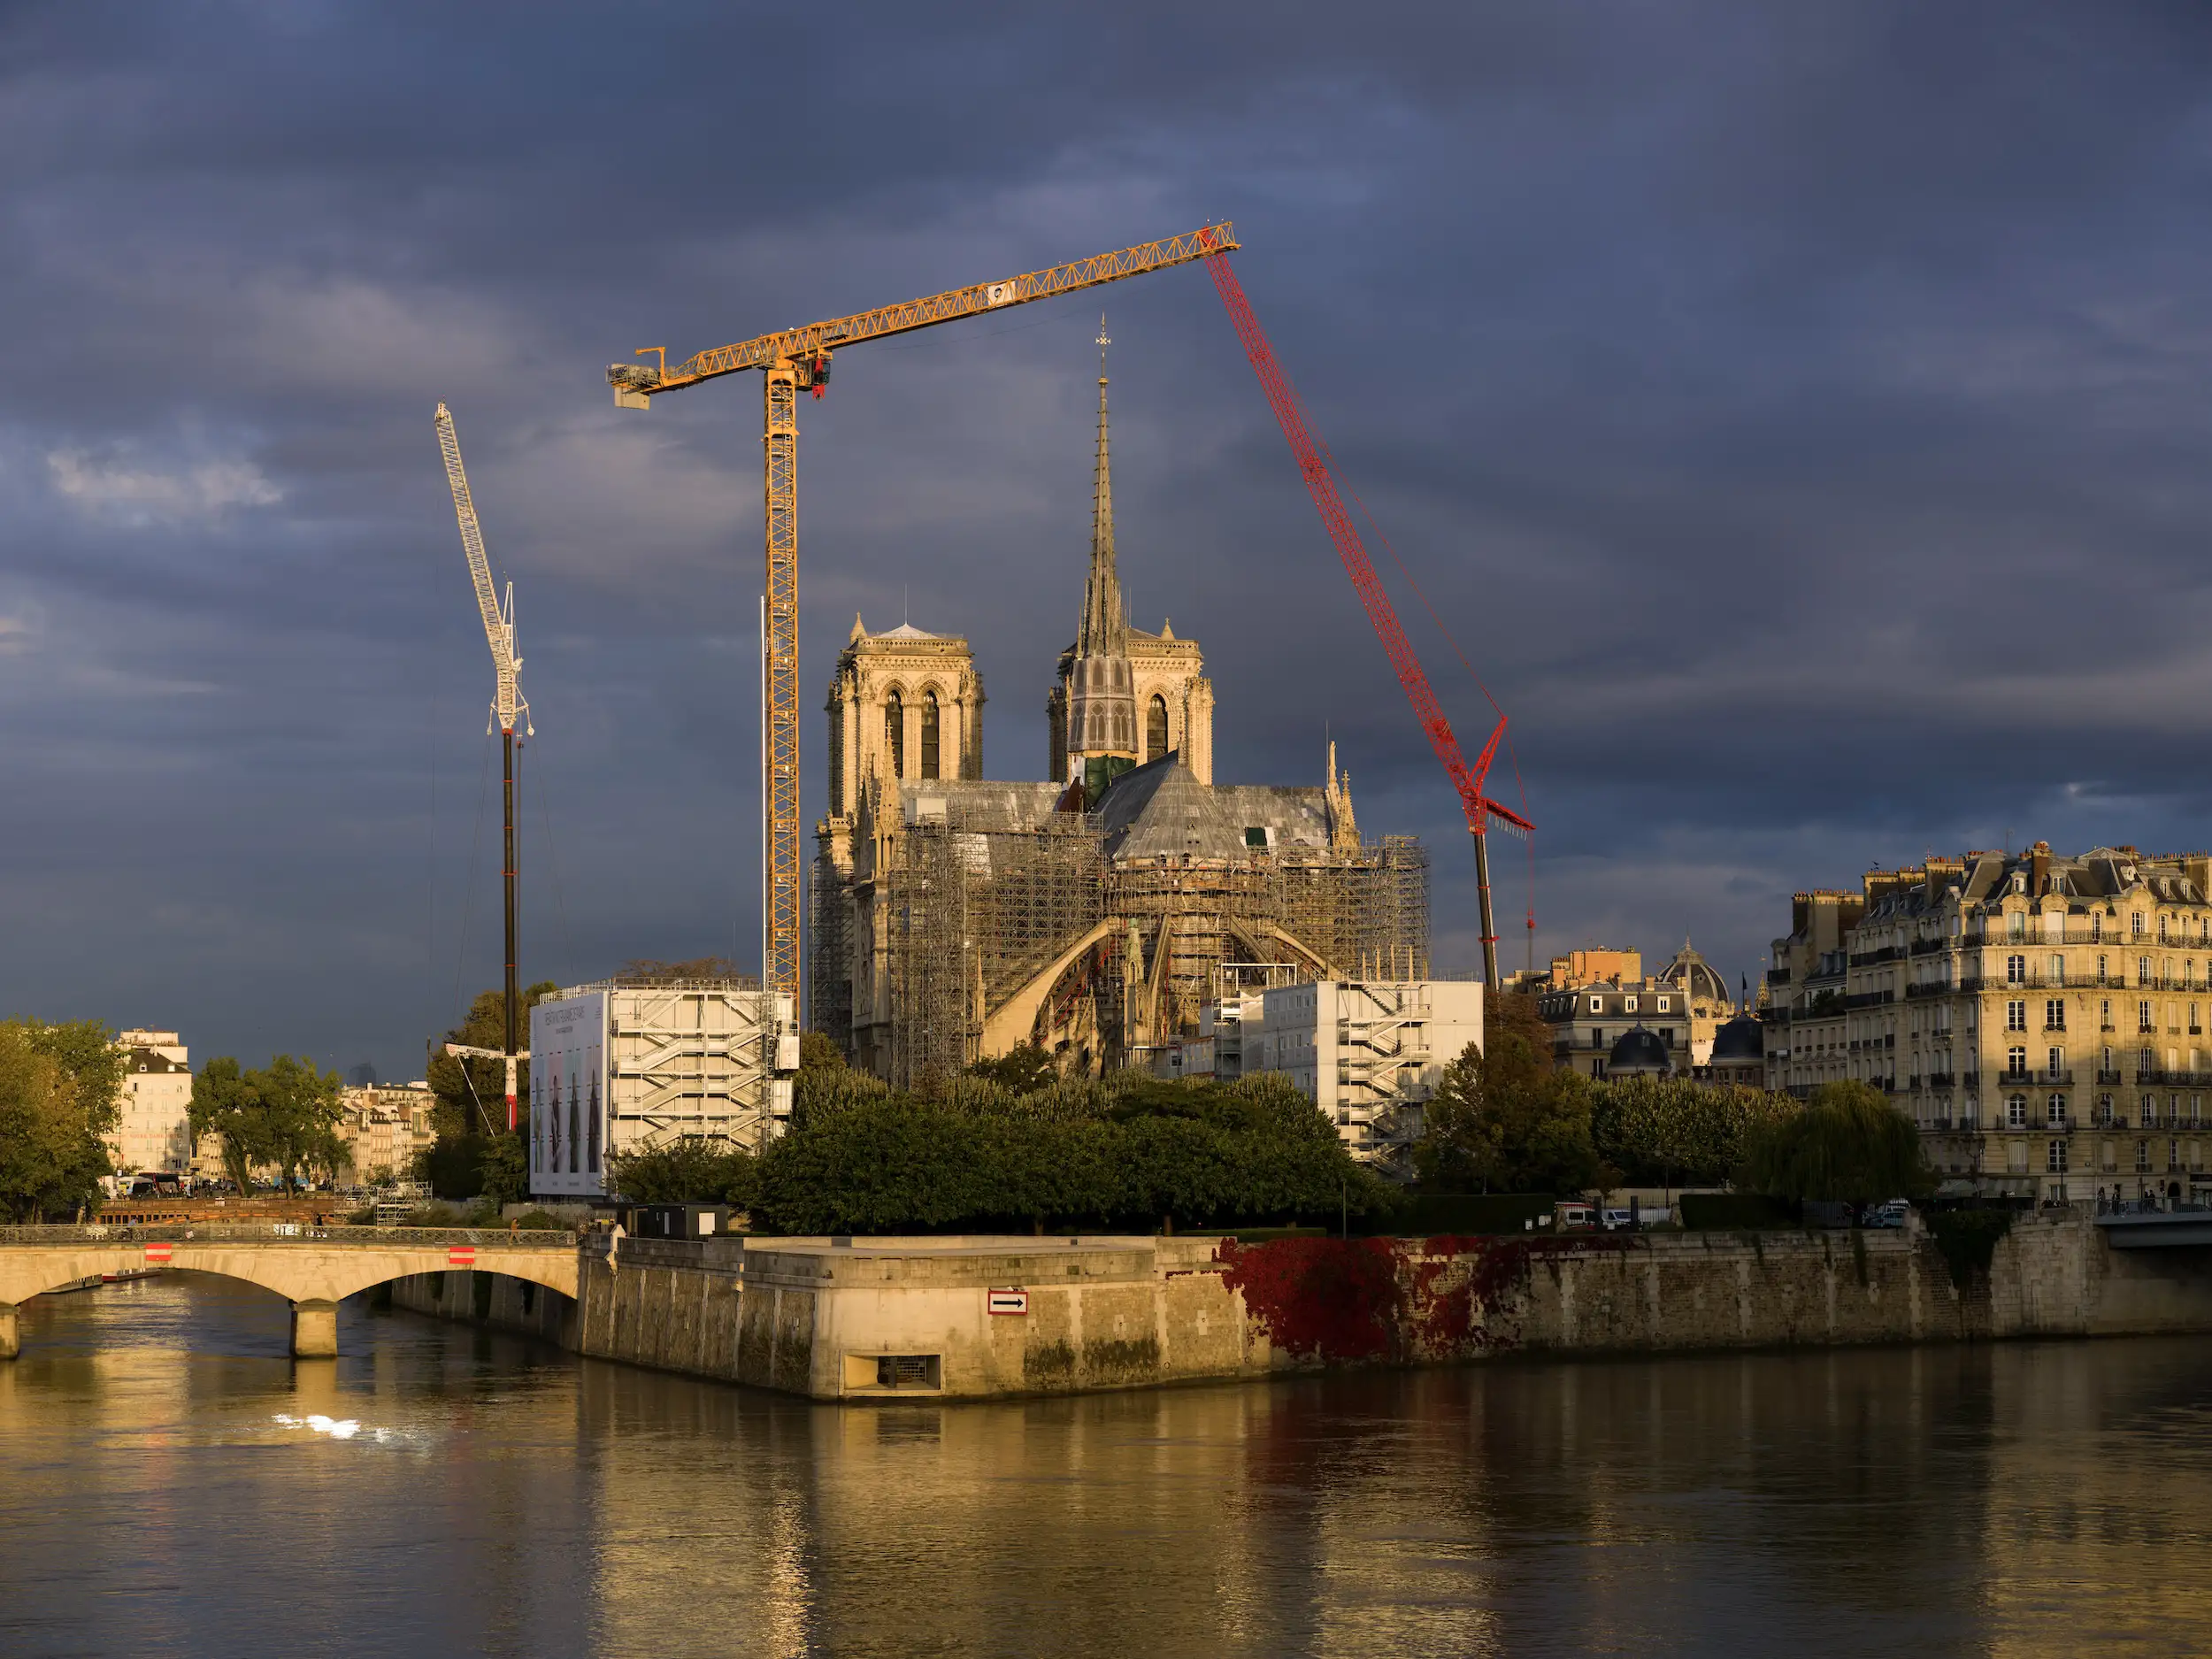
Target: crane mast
1482 811
508 705
799 358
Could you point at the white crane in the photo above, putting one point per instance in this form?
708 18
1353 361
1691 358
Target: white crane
508 704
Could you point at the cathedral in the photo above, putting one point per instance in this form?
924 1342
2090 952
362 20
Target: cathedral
1093 911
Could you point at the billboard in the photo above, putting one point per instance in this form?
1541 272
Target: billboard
569 1096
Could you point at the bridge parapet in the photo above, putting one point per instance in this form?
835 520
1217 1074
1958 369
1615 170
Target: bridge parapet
287 1233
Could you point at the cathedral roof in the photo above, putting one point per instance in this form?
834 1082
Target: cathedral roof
905 631
978 805
1161 810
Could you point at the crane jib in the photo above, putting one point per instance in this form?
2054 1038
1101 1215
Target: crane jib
809 342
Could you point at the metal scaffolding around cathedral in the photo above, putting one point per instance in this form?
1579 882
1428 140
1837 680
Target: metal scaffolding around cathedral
1093 913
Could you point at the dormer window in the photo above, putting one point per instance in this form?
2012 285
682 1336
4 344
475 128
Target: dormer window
1597 1005
1629 1003
1663 1004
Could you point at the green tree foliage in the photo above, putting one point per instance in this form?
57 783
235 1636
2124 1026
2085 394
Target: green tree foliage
60 1089
692 1170
1126 1152
473 1093
1504 1121
1023 1070
282 1116
1848 1146
223 1106
1678 1130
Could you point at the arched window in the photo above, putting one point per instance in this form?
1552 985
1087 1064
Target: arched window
894 734
1156 728
929 735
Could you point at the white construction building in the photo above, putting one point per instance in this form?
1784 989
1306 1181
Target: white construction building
153 1129
1368 1053
618 1067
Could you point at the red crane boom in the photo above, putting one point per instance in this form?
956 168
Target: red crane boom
1481 809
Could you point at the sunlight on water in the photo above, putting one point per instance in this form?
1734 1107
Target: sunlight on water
175 1483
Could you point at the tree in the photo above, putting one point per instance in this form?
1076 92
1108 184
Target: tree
223 1106
471 1091
691 1170
1503 1120
1677 1131
652 971
1023 1069
283 1114
1848 1146
59 1096
1129 1150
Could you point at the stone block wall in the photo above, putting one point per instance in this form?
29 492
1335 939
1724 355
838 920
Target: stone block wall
818 1318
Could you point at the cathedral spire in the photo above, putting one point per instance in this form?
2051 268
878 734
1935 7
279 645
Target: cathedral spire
1105 630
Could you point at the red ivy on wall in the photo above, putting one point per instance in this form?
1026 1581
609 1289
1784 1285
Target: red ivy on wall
1377 1299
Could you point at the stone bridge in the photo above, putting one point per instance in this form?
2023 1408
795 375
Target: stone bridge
313 1268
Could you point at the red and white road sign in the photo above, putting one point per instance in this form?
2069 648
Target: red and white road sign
157 1253
461 1255
1006 1301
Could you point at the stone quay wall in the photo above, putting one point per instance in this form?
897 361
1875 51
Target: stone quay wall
493 1299
900 1317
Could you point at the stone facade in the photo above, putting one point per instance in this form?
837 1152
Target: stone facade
1588 1021
2041 1018
383 1127
151 1128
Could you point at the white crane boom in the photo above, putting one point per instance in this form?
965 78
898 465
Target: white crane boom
499 623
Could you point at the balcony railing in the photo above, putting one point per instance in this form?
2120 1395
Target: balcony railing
2173 1079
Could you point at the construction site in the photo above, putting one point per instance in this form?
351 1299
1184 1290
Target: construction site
968 930
1095 912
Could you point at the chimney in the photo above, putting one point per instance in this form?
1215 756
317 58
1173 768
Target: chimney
2038 867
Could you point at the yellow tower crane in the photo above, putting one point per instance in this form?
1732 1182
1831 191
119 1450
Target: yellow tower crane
800 358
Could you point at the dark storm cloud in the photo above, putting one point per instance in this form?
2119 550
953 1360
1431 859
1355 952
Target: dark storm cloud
1794 411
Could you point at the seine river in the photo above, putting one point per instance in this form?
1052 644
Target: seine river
170 1482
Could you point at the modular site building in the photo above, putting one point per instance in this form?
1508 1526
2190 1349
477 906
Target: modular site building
623 1068
1368 1053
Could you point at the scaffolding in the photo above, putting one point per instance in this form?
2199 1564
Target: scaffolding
974 914
829 946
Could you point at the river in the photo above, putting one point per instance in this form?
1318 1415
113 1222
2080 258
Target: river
172 1483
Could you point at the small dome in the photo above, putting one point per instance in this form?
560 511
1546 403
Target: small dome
1639 1053
1741 1041
1694 975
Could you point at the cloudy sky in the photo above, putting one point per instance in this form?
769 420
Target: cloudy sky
1797 413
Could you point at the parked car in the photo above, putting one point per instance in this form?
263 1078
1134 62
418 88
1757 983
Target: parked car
1892 1214
1613 1219
1575 1217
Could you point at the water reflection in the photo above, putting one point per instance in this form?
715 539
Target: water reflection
166 1489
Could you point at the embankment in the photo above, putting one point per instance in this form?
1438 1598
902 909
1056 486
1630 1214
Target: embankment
979 1318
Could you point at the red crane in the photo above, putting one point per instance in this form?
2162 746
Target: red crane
1469 781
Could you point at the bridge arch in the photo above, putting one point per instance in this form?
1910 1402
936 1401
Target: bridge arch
314 1275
